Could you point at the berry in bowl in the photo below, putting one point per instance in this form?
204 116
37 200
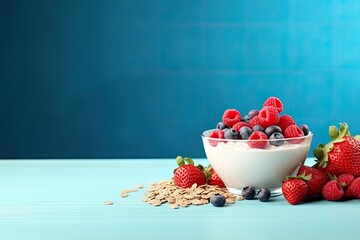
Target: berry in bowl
258 150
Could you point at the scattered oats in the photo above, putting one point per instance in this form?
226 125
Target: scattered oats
167 192
174 206
230 200
108 203
196 202
125 193
239 198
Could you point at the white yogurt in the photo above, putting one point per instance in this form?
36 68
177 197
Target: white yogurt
238 165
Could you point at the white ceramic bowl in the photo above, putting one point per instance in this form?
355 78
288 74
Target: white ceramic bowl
239 166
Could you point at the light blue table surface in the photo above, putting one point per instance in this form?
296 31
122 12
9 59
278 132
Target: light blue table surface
64 199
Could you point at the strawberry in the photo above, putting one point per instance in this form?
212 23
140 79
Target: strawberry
213 178
187 174
294 190
341 155
332 191
316 182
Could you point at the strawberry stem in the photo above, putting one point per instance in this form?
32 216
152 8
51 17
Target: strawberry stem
181 161
189 160
336 135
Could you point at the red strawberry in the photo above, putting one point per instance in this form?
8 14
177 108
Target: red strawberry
355 187
188 174
231 116
332 191
274 102
316 182
285 121
213 178
268 116
257 136
341 155
294 190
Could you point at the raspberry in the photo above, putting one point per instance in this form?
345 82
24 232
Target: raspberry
345 181
293 131
355 187
257 136
254 121
345 178
348 194
285 121
274 102
216 134
332 191
231 116
239 125
268 116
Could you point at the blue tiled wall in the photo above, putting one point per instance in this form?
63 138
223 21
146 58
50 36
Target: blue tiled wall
141 79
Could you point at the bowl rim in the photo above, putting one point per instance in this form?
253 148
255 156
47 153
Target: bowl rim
203 135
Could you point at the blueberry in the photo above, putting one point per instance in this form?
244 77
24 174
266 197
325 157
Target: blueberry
231 134
218 200
264 194
277 139
221 126
246 119
253 113
258 128
272 129
248 192
305 129
245 132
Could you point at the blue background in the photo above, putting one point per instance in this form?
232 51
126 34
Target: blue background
141 79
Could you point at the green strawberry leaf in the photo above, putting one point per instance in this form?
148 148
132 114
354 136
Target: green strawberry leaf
207 172
180 161
201 167
333 132
304 176
189 160
318 153
357 137
344 130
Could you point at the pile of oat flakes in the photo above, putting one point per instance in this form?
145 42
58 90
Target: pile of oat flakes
167 192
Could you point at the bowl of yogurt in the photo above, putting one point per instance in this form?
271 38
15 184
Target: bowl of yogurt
240 164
